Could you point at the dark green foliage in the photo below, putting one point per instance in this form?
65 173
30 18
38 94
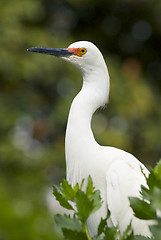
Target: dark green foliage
89 201
103 224
67 190
128 234
62 200
156 230
140 208
75 226
84 204
150 206
74 235
66 222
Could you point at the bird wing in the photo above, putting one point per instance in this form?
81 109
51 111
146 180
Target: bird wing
124 179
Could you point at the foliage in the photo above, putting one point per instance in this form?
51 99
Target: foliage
36 92
82 204
150 206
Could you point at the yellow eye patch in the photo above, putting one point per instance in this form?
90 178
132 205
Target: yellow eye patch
83 51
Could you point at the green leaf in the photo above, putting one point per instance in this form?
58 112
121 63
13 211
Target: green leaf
157 170
61 199
81 186
76 187
74 235
156 231
129 237
84 205
96 199
90 187
103 223
94 196
153 180
67 189
128 233
145 193
110 233
156 199
66 222
141 208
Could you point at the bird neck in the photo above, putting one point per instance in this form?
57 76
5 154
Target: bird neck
79 136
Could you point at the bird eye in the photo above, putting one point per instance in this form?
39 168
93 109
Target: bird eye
83 51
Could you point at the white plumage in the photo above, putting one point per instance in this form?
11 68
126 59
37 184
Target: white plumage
116 173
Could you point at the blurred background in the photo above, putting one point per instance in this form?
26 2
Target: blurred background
36 92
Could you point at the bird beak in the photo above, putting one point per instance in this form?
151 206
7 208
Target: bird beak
58 52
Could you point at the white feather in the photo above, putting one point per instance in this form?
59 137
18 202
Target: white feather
116 173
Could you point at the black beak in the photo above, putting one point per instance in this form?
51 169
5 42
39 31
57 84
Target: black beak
58 52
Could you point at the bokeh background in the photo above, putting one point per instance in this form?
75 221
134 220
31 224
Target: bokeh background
36 92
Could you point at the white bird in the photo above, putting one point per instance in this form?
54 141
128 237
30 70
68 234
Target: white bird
116 173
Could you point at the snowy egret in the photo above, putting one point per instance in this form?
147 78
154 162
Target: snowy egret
116 173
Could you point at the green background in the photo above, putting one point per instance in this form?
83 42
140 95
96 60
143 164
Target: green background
36 92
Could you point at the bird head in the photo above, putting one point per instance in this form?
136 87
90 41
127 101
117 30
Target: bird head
83 54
